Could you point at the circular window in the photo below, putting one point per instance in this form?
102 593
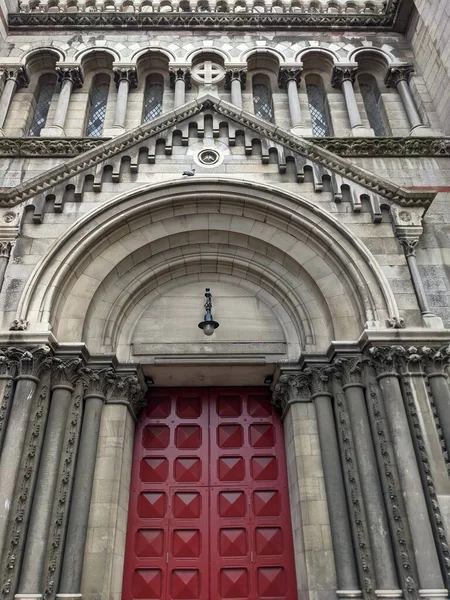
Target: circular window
208 157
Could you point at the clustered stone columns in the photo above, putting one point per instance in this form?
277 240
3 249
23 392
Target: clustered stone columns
180 79
290 79
235 80
125 78
50 417
398 77
343 77
5 253
386 528
15 77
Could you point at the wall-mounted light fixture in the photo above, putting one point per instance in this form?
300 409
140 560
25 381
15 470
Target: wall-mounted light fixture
208 324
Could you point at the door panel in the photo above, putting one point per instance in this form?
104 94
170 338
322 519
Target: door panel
209 513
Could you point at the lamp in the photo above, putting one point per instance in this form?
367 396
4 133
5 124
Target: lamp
208 324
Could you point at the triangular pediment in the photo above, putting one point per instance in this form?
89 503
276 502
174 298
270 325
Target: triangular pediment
341 171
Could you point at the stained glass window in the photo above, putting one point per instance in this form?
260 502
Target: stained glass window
152 101
262 102
372 108
97 111
42 106
316 100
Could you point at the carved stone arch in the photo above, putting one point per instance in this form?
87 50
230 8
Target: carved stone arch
87 57
379 55
42 58
266 58
193 55
168 55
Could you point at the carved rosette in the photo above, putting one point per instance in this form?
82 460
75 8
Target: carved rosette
235 75
349 370
34 363
397 74
386 359
5 249
286 75
180 74
128 74
16 74
73 74
341 74
97 383
291 388
65 372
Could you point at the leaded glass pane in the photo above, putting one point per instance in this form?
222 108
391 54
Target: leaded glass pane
317 109
99 99
152 102
262 102
372 109
42 107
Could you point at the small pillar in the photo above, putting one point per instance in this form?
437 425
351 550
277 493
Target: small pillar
125 79
180 80
290 79
15 77
5 253
68 78
343 77
235 80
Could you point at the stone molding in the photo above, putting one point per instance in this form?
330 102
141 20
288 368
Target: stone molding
303 147
73 74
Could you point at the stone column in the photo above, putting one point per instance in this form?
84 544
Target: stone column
105 544
235 80
180 79
350 370
290 79
97 383
343 77
31 365
68 78
385 362
64 374
398 77
125 79
346 571
15 77
5 252
7 374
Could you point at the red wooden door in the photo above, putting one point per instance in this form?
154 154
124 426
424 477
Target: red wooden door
209 509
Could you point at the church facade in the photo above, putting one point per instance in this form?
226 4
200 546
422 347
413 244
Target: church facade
225 296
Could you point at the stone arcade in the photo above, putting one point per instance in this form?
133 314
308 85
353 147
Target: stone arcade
301 451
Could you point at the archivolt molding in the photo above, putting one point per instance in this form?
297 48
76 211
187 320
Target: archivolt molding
77 264
331 164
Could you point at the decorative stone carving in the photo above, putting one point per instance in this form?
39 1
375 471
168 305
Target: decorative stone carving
395 323
235 75
286 75
435 359
65 372
73 74
291 388
126 74
341 74
349 369
409 246
320 379
180 74
385 359
386 146
17 74
33 363
19 325
5 249
97 382
397 74
42 147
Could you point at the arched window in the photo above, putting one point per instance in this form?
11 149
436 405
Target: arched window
371 99
317 109
98 98
46 89
153 98
262 102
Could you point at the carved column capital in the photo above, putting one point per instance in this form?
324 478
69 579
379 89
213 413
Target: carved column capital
349 369
385 360
97 383
33 363
235 75
128 74
341 74
73 74
8 363
286 75
16 74
180 74
435 360
127 390
5 249
320 379
397 74
65 372
291 388
409 245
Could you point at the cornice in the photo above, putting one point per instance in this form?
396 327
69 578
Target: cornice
345 147
303 147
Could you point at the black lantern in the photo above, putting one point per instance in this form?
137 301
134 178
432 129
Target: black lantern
208 324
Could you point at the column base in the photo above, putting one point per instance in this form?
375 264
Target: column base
361 131
69 596
114 131
28 596
422 131
53 131
349 594
432 321
388 593
433 594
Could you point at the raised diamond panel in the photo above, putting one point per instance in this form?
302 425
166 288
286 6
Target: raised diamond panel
230 436
185 584
152 505
269 541
266 503
231 468
155 437
232 504
234 583
188 470
188 437
189 408
271 582
149 542
154 470
158 408
187 505
229 406
264 468
233 542
147 583
186 543
259 406
262 436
